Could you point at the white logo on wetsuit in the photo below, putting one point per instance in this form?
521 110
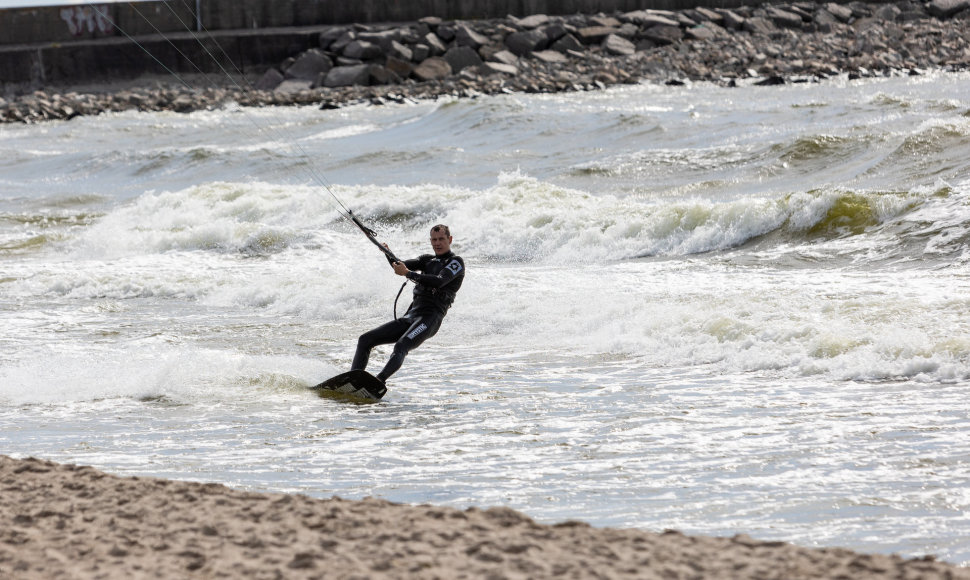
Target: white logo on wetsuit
417 331
454 266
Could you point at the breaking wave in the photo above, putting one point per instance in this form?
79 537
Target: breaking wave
523 219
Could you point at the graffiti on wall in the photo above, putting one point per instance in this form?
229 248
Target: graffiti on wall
91 18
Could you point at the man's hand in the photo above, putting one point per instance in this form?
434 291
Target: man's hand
400 269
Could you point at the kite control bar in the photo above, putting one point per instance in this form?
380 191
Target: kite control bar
371 235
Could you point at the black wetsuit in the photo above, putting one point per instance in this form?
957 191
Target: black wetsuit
437 280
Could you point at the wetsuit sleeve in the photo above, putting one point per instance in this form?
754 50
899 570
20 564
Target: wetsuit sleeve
414 264
411 264
453 269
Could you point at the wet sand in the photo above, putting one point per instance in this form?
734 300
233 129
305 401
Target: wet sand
67 521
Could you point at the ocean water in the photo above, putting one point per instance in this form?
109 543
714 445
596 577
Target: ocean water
714 310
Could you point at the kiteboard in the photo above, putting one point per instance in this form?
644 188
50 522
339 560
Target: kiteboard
358 386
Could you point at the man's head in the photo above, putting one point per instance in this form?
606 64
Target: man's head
440 239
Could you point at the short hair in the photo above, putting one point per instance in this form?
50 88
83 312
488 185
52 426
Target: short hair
441 228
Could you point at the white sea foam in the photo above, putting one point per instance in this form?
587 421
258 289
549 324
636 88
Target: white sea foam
149 368
341 132
286 252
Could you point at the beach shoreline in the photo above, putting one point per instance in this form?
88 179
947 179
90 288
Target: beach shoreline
74 521
431 59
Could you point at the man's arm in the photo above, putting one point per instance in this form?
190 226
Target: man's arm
402 268
452 270
410 264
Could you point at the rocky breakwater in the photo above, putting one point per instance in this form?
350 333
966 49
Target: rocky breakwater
767 44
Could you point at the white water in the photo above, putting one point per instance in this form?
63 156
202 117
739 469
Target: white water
714 310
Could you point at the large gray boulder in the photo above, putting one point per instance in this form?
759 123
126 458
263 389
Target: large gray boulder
341 43
534 21
842 13
700 33
465 36
419 52
595 34
550 56
460 57
309 65
604 20
432 22
825 21
618 45
567 43
784 18
522 43
709 15
504 57
434 42
887 12
664 35
383 38
947 8
732 20
446 32
646 19
288 87
269 81
498 67
398 50
380 75
330 35
555 31
433 69
362 50
400 67
758 25
345 76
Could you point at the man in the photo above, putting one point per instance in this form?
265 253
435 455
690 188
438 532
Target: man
437 279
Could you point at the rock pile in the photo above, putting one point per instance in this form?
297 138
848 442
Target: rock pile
769 44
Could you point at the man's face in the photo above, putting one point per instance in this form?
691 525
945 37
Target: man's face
440 243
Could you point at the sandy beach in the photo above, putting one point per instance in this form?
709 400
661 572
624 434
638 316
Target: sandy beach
68 521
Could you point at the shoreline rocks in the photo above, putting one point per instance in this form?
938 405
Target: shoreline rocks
431 58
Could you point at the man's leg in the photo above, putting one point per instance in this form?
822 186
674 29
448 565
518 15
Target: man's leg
384 334
420 330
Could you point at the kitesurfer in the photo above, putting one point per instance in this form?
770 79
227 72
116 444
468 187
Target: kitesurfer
437 279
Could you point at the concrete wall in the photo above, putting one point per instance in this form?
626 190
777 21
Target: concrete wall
105 59
63 24
68 23
71 44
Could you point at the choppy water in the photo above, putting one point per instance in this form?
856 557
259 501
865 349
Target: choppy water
715 310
